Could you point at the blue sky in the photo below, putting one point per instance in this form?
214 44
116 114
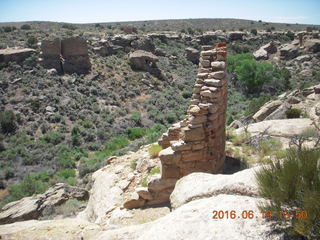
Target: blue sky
91 11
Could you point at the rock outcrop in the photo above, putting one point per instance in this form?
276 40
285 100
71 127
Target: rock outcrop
202 185
145 61
197 143
289 51
276 109
264 52
192 55
15 54
32 207
66 56
194 198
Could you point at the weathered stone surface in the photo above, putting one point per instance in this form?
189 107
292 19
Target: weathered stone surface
32 207
289 51
158 184
75 54
68 55
260 54
15 54
144 43
235 36
266 110
195 134
134 201
218 65
213 82
145 61
218 74
104 196
192 55
169 156
279 128
203 185
313 45
264 52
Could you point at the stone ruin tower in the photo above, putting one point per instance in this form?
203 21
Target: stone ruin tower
197 143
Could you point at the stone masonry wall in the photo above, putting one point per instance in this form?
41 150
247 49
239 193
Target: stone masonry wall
197 143
67 55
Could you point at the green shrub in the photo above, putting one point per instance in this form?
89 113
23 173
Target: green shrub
116 143
69 26
31 42
136 117
254 31
154 170
290 35
31 184
187 93
7 122
293 113
53 137
25 27
154 150
256 76
133 164
66 173
135 133
294 185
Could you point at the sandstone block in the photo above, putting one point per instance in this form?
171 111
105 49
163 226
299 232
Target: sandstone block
218 65
144 193
158 185
169 171
213 82
202 75
218 74
193 156
168 156
180 146
196 134
205 63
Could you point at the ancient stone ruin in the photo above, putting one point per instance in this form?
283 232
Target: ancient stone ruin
67 55
145 61
197 143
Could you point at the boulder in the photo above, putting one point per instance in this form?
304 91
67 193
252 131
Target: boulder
123 40
144 61
192 55
233 36
15 54
265 51
207 38
266 110
105 194
313 45
279 113
279 128
260 54
289 51
203 185
32 207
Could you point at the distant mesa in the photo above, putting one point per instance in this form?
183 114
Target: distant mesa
66 56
